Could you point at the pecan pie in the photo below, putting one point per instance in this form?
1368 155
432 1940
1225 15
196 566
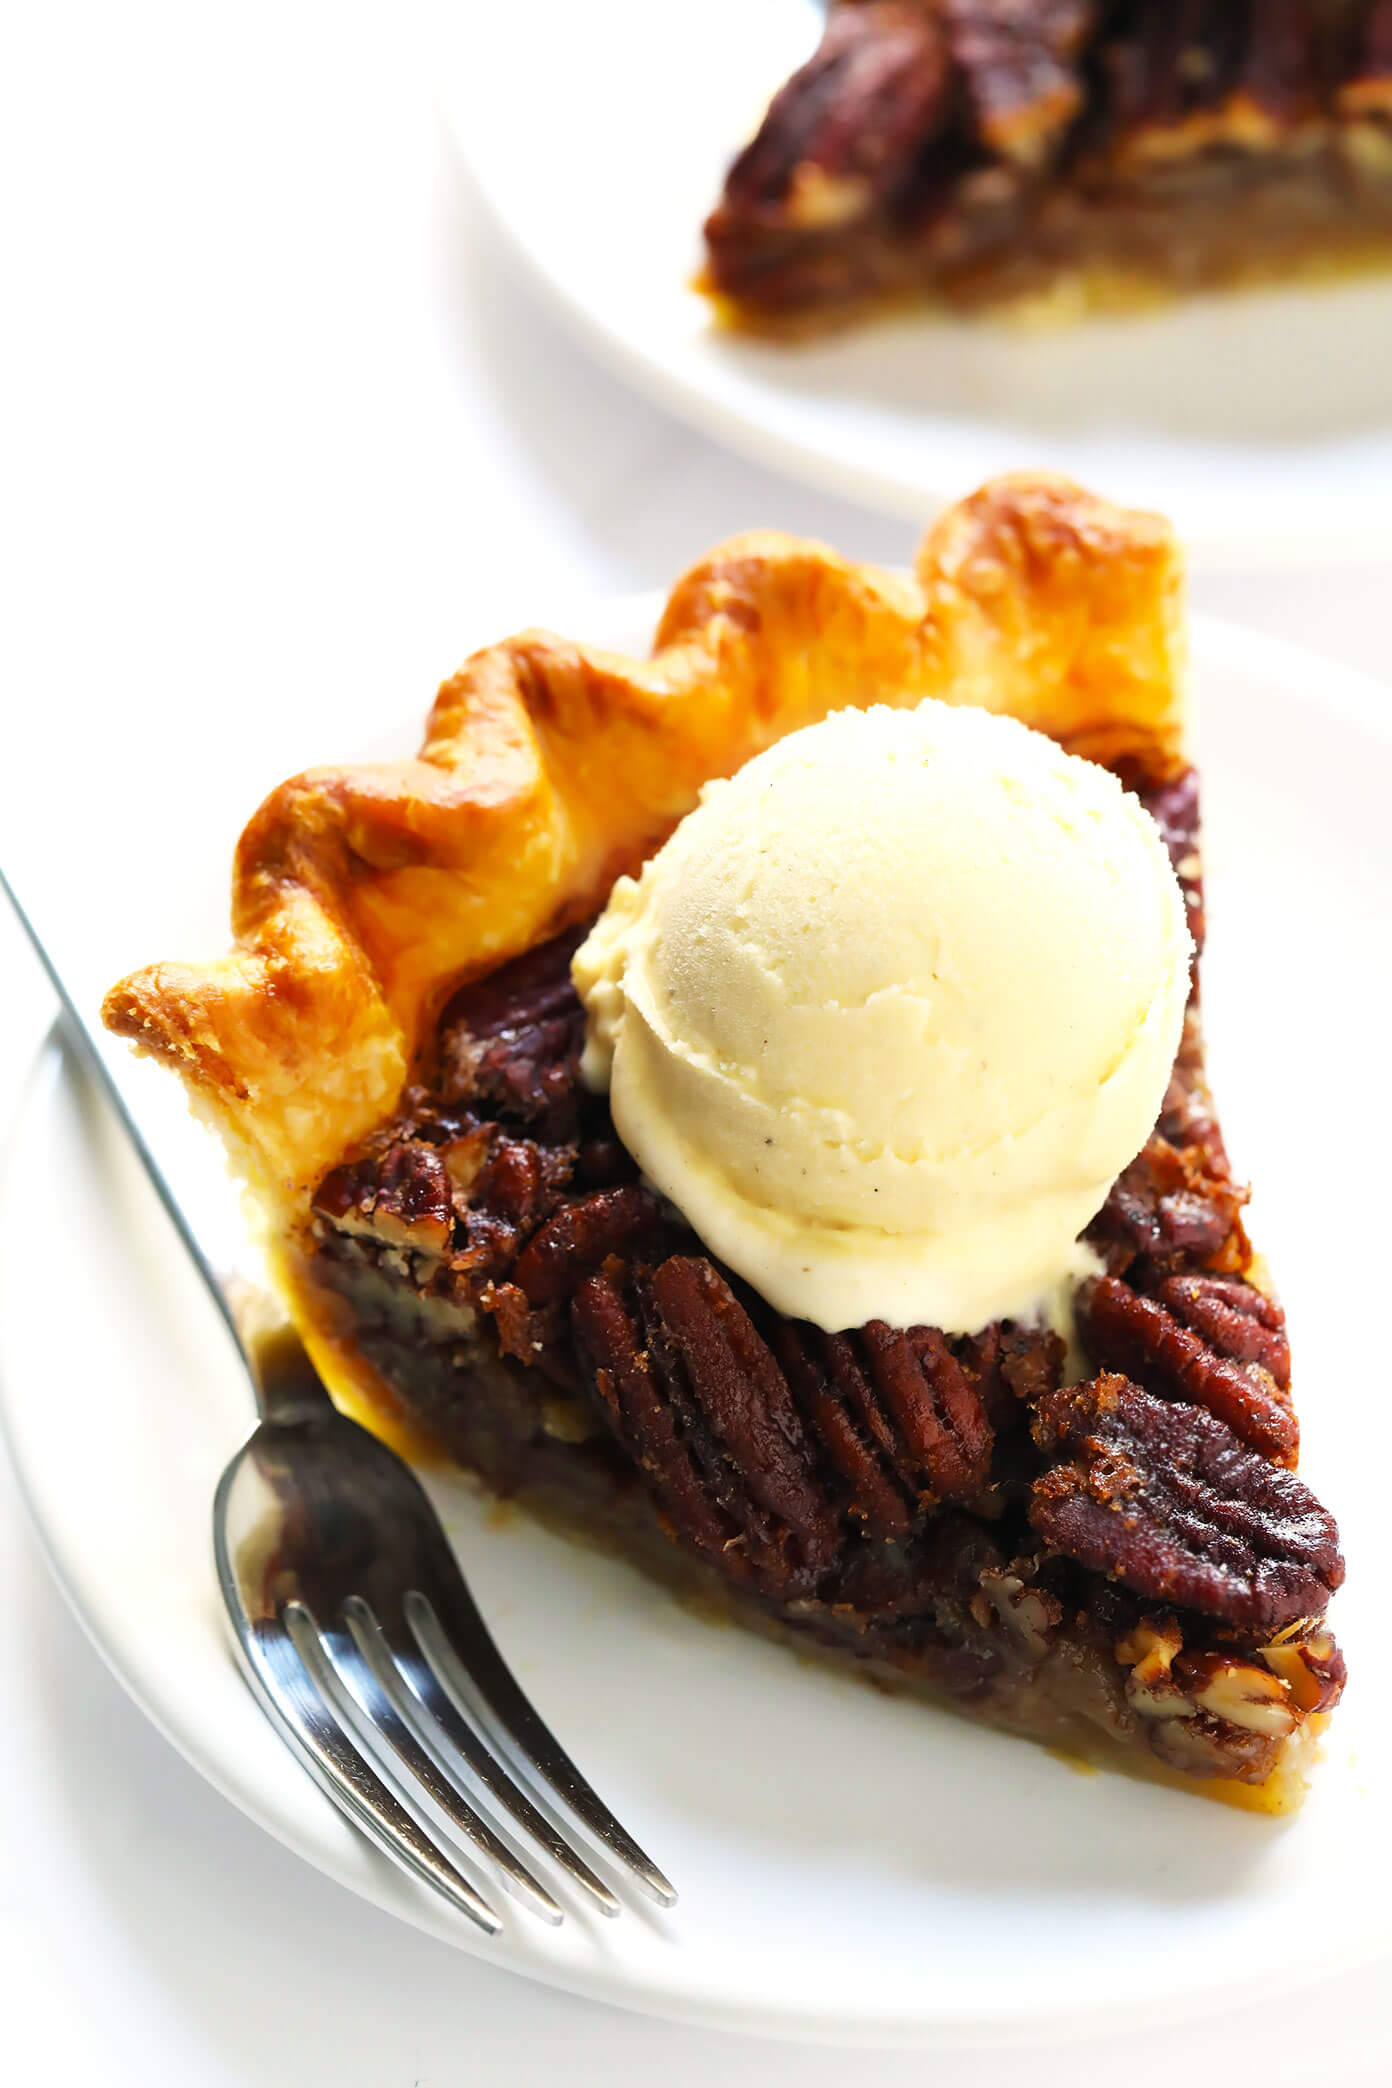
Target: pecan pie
1091 150
1106 1545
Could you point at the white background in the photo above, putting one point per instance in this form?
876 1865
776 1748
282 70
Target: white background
277 414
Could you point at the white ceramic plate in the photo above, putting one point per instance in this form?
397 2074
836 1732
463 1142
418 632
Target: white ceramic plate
599 135
851 1867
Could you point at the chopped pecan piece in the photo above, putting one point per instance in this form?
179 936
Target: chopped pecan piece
1170 1210
537 1338
1027 1615
1032 1360
1187 1120
1238 1692
1167 1500
936 1574
465 1158
522 1333
1146 1339
1204 1746
1310 1664
1208 1712
1012 1368
400 1197
515 1190
1149 1650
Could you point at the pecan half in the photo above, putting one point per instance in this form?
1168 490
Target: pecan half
583 1234
1015 66
509 1044
622 1374
1146 1339
836 1402
1169 1209
1234 1317
744 1397
683 1368
518 1184
1167 1500
937 1413
846 128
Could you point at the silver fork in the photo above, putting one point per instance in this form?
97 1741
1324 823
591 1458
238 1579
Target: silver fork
354 1626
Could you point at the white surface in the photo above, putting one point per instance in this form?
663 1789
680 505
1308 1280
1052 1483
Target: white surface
273 403
1261 423
829 1885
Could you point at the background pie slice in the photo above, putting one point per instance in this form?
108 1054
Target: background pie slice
1093 150
1111 1548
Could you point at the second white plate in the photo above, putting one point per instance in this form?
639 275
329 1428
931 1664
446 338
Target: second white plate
851 1867
599 137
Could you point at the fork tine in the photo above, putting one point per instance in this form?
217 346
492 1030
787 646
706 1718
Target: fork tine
285 1679
409 1664
365 1675
465 1655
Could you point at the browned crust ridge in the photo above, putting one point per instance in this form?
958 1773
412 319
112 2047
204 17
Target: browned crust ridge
363 895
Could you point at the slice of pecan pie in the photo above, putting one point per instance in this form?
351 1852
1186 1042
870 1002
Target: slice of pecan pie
1108 1545
989 150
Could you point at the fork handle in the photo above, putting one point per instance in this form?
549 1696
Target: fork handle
85 1038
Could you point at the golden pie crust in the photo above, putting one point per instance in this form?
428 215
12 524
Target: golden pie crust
364 895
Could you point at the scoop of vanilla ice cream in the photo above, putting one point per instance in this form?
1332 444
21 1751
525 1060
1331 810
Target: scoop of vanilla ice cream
890 1011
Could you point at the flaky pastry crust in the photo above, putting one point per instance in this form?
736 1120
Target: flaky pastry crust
364 895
